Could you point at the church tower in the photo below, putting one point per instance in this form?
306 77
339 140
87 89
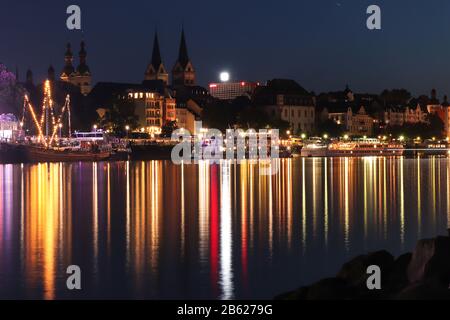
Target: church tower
51 73
183 73
82 76
29 76
68 70
155 69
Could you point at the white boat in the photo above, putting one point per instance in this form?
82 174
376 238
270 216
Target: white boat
314 149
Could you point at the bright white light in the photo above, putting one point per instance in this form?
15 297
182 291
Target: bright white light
224 76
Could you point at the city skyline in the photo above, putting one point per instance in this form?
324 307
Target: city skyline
327 39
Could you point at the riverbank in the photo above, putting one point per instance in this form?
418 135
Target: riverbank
423 274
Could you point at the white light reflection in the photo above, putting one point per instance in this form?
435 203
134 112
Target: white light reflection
226 242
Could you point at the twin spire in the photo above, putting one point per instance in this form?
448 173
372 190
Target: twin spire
183 72
69 70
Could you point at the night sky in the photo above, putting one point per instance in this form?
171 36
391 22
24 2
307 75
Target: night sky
321 44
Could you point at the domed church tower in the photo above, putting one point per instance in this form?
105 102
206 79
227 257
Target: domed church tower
68 70
82 76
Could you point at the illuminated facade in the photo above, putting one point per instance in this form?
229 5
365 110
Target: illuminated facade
359 123
286 100
153 109
355 123
81 76
232 90
447 121
185 119
9 127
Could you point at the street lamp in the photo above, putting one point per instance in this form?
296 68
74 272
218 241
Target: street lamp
127 128
95 127
303 136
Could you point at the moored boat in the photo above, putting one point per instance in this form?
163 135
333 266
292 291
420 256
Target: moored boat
364 147
314 148
40 154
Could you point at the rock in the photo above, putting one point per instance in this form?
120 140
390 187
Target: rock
299 294
423 291
431 262
330 289
355 274
398 275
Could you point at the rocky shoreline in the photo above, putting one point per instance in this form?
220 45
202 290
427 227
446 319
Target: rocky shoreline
423 274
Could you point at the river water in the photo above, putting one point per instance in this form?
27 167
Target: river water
155 230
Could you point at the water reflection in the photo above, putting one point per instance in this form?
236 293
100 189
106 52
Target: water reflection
156 230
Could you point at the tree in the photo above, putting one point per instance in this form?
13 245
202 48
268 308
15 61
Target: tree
331 128
436 125
395 97
168 128
433 128
121 114
11 93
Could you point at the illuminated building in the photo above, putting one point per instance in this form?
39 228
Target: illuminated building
232 90
9 127
359 123
185 119
153 109
288 101
81 76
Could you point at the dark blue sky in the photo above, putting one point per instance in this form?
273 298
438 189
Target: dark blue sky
322 44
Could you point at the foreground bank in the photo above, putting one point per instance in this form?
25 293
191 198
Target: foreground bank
423 274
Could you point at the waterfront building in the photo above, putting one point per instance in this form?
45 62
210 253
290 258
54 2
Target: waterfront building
433 104
9 127
394 116
415 114
232 90
359 123
355 121
185 119
153 109
286 100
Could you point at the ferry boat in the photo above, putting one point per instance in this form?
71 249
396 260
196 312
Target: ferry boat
354 148
314 148
364 147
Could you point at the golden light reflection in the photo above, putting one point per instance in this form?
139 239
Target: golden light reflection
95 213
221 215
448 194
419 199
346 205
45 216
303 205
325 203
